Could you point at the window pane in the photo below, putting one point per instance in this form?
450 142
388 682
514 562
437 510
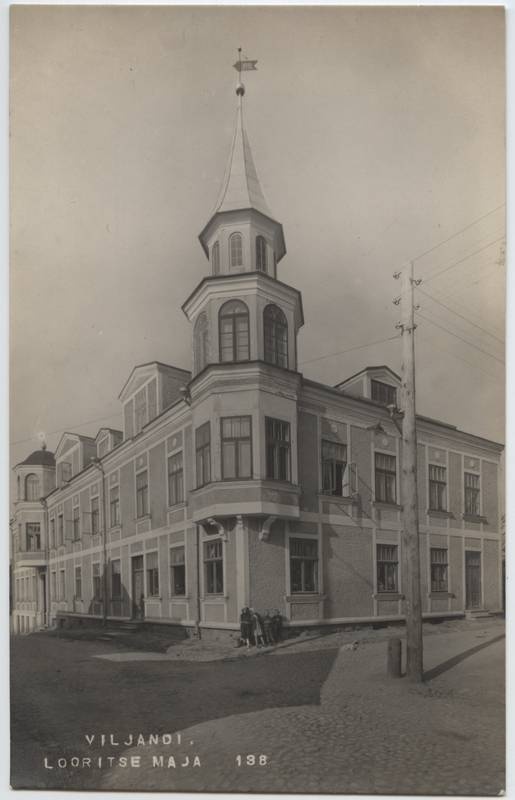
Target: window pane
245 466
229 459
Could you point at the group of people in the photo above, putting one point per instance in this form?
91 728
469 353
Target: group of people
260 630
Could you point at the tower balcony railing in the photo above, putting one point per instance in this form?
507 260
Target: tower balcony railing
248 497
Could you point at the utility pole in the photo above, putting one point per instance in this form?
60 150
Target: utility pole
409 494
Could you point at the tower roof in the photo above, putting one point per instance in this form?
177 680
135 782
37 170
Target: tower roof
241 187
39 458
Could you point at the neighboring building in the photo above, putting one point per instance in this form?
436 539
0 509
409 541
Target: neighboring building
243 482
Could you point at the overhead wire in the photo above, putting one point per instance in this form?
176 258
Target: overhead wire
67 428
348 350
461 316
465 341
454 235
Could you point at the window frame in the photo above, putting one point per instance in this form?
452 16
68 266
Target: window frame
437 488
275 322
60 529
332 463
77 581
386 389
152 578
118 575
33 531
236 236
62 585
203 476
477 494
278 444
177 477
95 514
114 487
215 258
439 583
261 252
234 317
382 565
97 596
382 471
173 567
200 342
32 488
237 440
76 527
308 563
142 495
211 567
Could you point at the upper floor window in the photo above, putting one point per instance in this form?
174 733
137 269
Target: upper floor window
472 504
215 258
203 454
142 493
33 536
276 336
114 506
437 488
236 250
60 528
334 468
236 447
32 490
261 258
76 523
234 331
95 515
52 532
200 343
384 393
277 449
303 565
175 480
385 478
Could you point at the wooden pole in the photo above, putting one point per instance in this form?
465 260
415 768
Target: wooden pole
409 498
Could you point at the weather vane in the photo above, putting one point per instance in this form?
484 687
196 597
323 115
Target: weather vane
243 64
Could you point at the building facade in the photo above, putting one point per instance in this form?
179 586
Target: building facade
243 483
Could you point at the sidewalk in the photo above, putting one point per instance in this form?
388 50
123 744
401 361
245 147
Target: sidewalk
369 734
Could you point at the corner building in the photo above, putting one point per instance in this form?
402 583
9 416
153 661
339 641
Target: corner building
244 483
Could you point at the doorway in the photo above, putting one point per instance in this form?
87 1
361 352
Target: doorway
472 579
138 588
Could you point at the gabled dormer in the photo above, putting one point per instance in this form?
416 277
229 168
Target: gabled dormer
106 440
380 384
150 390
73 454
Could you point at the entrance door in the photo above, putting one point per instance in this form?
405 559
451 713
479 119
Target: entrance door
138 587
473 579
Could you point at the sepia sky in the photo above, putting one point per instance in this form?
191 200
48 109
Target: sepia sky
377 134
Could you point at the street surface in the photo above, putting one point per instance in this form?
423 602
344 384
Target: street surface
315 716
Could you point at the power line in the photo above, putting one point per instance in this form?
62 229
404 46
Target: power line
452 333
67 428
469 321
349 350
461 260
465 361
466 228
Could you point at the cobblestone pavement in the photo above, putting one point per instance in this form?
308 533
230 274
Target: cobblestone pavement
368 735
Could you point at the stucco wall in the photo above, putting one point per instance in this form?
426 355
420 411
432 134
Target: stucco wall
267 568
348 571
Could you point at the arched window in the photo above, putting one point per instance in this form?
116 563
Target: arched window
234 331
215 258
32 491
200 343
261 264
276 336
236 250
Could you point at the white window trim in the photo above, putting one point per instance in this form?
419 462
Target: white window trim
178 597
292 535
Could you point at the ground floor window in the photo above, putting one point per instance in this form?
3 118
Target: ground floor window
177 571
387 568
62 585
303 565
78 583
152 575
439 565
53 586
214 567
97 584
116 579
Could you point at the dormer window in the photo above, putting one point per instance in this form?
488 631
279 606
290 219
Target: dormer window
236 250
261 261
215 258
384 393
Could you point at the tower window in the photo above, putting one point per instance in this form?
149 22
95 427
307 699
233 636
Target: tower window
236 250
276 336
32 491
234 331
200 343
261 263
215 258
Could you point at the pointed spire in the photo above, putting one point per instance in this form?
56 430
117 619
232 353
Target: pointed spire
241 188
